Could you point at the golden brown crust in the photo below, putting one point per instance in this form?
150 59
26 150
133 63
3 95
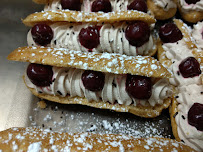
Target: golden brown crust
75 16
190 16
139 110
158 12
173 112
24 139
42 1
104 62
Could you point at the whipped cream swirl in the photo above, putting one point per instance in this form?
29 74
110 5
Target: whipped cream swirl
112 39
189 92
120 5
165 4
188 95
67 81
191 7
197 34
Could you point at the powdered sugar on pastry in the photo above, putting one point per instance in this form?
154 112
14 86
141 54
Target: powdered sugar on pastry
197 34
188 7
112 39
35 139
68 81
165 4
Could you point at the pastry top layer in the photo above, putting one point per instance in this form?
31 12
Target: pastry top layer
29 139
105 62
76 16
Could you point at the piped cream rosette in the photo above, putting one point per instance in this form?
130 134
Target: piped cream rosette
35 139
185 61
191 12
162 9
68 87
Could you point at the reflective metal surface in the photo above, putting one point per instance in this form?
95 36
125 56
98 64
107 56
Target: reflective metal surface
18 107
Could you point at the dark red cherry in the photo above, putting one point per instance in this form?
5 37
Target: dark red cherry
139 5
101 5
93 80
71 4
170 33
191 1
40 75
89 37
139 87
189 67
195 116
42 34
137 33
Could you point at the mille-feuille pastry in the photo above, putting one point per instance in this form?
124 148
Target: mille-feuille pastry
180 54
110 81
162 9
197 34
123 38
35 139
191 10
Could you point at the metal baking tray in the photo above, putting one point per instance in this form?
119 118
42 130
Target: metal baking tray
19 108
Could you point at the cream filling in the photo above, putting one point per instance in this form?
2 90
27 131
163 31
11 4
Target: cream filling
189 94
67 81
112 39
120 5
179 80
177 52
197 34
165 4
191 7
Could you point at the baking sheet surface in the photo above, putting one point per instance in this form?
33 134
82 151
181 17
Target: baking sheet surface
18 107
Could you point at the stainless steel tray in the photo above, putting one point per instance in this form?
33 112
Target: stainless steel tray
18 107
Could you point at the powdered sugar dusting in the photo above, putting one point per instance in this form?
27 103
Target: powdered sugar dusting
105 62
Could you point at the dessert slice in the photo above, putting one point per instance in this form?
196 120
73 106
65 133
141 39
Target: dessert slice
191 10
137 85
182 57
33 139
162 9
123 38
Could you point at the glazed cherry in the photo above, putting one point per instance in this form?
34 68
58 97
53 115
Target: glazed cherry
191 1
195 116
89 37
101 5
40 75
42 34
137 33
139 5
169 33
139 86
71 4
189 67
93 80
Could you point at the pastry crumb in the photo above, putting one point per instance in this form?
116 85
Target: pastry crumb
42 104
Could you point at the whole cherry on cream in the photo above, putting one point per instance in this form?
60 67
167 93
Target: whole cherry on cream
98 5
102 86
130 39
